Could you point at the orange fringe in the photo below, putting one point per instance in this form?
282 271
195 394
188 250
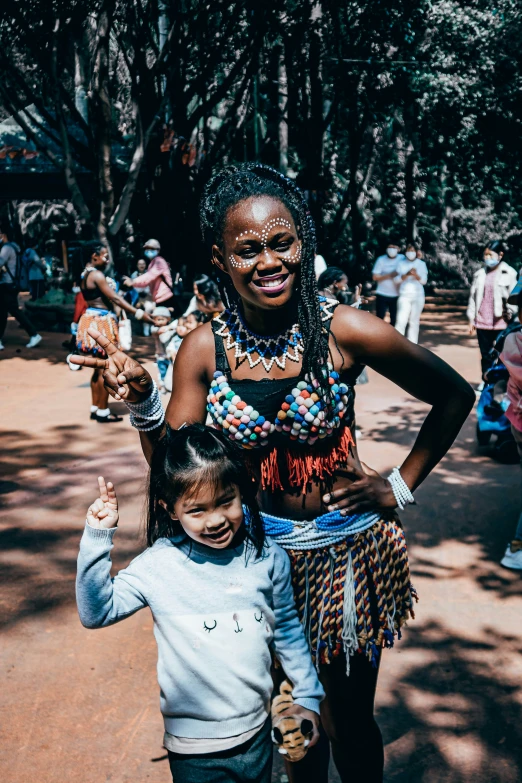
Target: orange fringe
304 467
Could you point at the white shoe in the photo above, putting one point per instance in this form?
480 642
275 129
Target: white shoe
37 338
72 367
1 346
480 387
513 556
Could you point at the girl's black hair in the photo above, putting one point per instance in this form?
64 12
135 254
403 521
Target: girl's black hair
187 459
497 246
200 280
209 290
330 276
235 183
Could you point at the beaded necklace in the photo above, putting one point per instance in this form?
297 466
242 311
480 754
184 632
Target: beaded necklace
270 349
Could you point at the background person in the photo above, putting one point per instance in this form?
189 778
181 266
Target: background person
206 299
487 306
333 283
134 294
9 262
162 318
412 276
157 277
101 299
384 273
36 270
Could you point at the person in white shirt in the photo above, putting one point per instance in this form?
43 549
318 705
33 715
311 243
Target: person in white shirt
412 276
384 273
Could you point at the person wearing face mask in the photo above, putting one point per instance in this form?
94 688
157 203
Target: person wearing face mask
157 276
384 273
412 276
488 310
9 278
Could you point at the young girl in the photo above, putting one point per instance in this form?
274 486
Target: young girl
221 599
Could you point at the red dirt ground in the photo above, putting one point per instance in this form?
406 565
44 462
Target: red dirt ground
83 705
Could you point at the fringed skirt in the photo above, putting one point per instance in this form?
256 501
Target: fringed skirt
105 322
355 595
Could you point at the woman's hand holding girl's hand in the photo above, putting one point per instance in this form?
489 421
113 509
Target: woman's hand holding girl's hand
104 511
125 379
368 491
304 714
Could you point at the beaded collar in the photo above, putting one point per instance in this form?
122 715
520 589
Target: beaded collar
270 349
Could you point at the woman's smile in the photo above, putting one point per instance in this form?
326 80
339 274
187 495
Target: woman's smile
273 284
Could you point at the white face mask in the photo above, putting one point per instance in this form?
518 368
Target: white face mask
411 255
391 251
491 259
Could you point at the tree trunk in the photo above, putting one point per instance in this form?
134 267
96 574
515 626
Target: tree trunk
102 119
282 116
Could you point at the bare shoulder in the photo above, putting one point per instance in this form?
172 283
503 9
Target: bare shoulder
197 349
356 329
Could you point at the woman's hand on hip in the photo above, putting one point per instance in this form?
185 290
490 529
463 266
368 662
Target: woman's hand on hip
368 491
125 378
104 511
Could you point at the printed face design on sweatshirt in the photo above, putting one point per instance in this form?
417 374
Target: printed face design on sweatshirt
211 625
283 245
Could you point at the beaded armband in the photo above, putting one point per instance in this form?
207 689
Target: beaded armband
400 489
148 414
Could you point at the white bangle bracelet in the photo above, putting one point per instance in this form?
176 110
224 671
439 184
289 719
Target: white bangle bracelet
138 315
400 489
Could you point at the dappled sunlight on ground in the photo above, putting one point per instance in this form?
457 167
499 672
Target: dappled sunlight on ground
450 699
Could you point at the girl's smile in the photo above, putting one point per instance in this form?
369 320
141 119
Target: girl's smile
210 517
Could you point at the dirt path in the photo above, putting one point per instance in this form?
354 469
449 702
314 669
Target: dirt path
83 705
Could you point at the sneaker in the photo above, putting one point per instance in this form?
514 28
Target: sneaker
1 346
37 338
72 367
480 387
513 556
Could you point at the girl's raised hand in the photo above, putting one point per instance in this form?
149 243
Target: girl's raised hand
125 378
104 511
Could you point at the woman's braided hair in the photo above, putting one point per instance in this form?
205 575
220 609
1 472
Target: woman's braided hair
235 183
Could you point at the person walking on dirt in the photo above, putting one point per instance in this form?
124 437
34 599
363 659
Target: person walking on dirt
487 306
384 273
9 261
412 276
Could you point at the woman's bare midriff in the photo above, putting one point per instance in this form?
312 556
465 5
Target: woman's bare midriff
294 505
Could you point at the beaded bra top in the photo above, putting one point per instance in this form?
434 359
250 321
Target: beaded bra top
300 416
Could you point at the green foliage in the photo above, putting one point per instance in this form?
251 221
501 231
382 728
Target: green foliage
400 118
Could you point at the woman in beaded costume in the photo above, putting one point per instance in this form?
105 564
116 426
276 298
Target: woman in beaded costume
277 371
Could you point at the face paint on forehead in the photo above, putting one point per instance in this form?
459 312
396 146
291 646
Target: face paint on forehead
263 237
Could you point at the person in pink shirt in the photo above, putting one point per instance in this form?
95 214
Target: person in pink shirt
157 277
511 357
487 307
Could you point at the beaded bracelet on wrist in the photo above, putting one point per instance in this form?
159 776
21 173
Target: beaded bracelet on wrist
148 414
400 489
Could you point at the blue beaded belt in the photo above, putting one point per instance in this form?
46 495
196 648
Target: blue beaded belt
325 530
